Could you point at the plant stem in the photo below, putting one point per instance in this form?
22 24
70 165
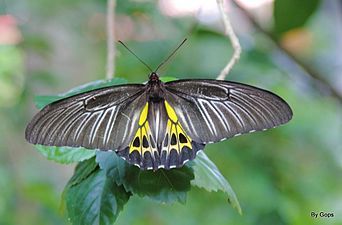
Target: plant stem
233 39
110 71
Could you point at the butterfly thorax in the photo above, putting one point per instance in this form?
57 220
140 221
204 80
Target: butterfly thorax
155 88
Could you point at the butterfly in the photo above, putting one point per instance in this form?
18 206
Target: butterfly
157 125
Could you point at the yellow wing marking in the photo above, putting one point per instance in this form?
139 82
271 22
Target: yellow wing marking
143 115
171 112
175 135
177 138
142 139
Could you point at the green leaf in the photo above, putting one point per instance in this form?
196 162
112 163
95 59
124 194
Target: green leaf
96 200
290 14
114 166
82 171
42 101
167 79
208 176
65 155
165 186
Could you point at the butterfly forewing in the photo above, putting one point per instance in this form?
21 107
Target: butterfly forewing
101 119
212 110
157 125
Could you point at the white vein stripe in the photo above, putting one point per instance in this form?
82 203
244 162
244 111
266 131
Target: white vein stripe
220 116
207 117
96 126
81 126
204 117
64 117
187 122
216 112
105 136
263 107
112 123
242 105
235 114
157 123
257 110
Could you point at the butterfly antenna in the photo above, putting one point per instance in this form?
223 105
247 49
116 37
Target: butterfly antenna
136 56
172 53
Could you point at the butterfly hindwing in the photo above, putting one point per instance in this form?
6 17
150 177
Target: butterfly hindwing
212 110
160 140
101 119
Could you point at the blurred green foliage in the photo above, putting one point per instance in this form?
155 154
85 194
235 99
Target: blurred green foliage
11 75
291 14
280 175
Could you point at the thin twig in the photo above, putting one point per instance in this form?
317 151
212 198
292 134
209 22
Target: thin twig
233 39
306 68
110 39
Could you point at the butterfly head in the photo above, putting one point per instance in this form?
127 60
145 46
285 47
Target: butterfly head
153 77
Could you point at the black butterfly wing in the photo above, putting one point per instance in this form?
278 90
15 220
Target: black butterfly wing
212 110
103 119
157 134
